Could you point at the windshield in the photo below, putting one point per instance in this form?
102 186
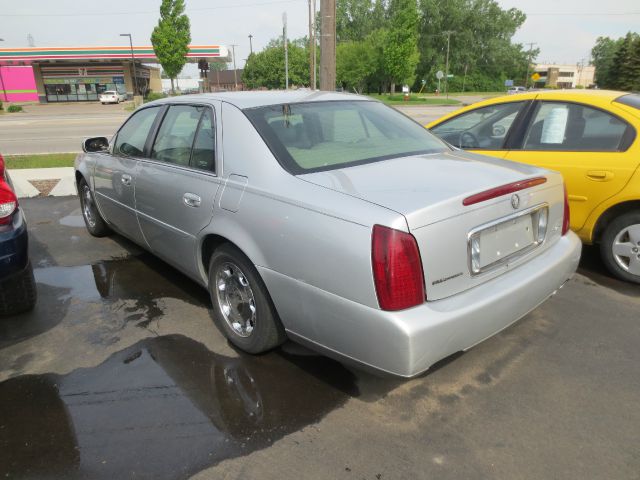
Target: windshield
109 92
316 136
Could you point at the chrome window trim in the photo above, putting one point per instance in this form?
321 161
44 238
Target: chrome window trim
514 255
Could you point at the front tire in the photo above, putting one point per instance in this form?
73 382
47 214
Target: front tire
18 293
620 247
242 308
94 222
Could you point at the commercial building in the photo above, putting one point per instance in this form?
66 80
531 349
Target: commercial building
564 76
76 74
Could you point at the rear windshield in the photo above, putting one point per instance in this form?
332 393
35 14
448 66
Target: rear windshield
632 100
109 92
317 136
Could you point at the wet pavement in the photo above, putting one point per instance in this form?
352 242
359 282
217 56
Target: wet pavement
119 372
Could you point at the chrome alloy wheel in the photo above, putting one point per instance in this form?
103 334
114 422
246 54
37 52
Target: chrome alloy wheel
235 299
87 206
626 249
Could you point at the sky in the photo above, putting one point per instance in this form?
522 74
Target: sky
564 31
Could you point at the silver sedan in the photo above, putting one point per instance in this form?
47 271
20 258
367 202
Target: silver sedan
332 220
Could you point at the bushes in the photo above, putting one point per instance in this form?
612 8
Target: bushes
14 108
1 107
151 96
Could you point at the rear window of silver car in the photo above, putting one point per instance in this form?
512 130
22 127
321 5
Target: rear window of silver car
109 92
317 136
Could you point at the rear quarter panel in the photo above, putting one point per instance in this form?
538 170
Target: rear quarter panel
305 232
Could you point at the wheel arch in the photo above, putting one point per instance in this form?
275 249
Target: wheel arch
242 241
610 214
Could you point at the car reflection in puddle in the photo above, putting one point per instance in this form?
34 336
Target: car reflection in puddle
166 407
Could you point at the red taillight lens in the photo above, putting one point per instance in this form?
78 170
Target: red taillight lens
566 217
397 269
8 203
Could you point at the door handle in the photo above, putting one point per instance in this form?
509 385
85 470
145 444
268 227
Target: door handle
126 179
191 200
600 175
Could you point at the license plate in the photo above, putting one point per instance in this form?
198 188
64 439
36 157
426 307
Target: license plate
501 241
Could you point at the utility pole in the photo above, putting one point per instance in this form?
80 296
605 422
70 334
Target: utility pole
526 78
133 62
235 71
448 33
286 51
328 45
312 46
250 44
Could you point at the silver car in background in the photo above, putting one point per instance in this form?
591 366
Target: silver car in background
332 220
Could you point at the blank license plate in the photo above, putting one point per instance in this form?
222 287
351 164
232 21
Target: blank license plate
505 239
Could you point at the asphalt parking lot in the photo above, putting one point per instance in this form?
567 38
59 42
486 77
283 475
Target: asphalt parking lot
120 373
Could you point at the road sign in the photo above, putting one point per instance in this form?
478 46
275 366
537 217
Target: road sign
535 77
450 75
439 74
508 83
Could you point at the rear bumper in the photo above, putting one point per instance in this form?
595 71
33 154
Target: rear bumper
14 247
408 342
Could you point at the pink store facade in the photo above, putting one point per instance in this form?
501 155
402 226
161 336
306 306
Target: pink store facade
17 84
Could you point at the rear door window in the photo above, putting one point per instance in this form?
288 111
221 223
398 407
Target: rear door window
174 141
564 126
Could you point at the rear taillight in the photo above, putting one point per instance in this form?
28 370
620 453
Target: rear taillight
8 203
566 217
1 167
397 269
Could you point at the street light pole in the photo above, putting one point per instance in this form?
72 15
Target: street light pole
133 62
250 44
235 72
446 67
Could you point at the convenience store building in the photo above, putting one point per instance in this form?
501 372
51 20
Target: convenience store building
77 74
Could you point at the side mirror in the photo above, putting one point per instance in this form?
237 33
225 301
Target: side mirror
95 144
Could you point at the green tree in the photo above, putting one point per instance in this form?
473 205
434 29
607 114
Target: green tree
401 44
481 42
171 37
625 68
602 55
355 63
356 19
265 69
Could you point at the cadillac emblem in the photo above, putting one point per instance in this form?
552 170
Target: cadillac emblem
515 201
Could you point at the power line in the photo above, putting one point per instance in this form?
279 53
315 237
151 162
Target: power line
80 14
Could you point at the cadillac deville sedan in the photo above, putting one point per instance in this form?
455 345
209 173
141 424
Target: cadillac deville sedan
332 220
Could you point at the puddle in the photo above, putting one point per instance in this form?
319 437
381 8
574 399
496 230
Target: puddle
164 408
128 290
72 221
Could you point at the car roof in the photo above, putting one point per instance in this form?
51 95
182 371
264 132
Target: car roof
244 100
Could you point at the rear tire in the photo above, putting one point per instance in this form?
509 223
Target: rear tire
242 308
620 247
18 293
94 222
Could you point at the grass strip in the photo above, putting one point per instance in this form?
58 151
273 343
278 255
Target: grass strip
46 160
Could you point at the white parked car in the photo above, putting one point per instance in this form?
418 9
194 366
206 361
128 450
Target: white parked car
514 90
111 96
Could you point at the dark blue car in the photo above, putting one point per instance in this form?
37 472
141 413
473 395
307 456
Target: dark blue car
17 284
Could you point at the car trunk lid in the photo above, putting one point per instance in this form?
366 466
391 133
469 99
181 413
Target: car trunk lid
430 192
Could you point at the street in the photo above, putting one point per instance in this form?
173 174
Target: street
119 372
57 128
61 128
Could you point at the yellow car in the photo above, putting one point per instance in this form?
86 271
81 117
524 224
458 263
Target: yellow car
590 136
